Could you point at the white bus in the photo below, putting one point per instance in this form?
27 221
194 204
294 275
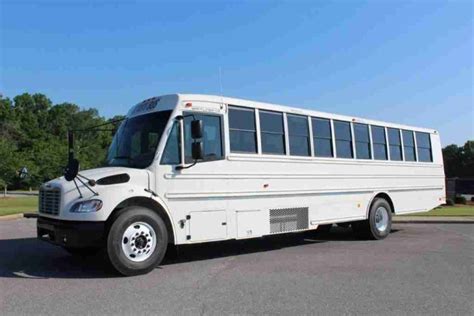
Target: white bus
188 168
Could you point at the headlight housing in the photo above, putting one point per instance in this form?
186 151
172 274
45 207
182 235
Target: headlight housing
86 206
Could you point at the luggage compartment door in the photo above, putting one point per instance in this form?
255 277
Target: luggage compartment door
250 223
207 225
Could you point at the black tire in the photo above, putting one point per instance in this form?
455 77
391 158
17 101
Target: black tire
369 228
82 252
344 225
324 229
118 258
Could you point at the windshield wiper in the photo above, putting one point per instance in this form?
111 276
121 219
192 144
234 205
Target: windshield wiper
123 157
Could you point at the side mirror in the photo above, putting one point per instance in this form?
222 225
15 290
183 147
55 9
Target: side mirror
71 170
197 151
196 129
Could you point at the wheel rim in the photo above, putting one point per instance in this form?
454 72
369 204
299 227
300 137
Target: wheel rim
381 219
138 241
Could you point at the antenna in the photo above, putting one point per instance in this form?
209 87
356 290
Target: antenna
220 85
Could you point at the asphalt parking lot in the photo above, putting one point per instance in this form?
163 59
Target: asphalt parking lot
418 269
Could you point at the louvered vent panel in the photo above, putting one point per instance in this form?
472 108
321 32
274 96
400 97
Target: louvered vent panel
49 201
288 219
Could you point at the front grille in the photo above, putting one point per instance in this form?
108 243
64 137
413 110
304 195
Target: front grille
49 200
288 219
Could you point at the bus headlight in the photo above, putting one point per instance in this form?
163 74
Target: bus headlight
87 206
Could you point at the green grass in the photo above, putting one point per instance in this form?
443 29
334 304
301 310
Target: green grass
457 210
15 205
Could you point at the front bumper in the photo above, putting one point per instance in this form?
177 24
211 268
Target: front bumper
74 234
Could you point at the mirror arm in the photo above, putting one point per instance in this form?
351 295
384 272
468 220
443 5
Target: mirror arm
181 140
85 184
77 187
181 117
70 145
181 167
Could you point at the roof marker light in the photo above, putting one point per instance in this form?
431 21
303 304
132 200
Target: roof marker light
188 105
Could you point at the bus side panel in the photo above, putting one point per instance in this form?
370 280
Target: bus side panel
258 194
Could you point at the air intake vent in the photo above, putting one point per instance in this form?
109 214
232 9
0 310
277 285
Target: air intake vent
288 219
115 179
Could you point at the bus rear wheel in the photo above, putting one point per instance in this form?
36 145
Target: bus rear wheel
379 223
137 241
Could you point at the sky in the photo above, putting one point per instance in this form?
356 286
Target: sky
408 62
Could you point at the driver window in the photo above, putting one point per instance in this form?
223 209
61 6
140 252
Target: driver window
211 138
172 149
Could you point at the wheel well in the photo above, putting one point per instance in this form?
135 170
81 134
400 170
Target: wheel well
150 204
387 198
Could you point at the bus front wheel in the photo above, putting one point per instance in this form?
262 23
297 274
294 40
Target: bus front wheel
137 241
379 223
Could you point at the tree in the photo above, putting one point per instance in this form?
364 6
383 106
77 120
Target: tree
459 161
9 163
33 133
468 159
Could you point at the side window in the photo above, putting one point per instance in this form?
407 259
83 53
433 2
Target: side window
395 144
379 143
423 143
211 138
409 146
322 139
272 132
242 132
342 132
171 154
298 132
362 141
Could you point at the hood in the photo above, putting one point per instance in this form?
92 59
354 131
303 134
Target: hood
103 177
108 180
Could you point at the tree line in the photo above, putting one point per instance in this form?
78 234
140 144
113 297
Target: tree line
459 160
33 133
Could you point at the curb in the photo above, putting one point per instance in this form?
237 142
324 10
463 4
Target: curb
11 217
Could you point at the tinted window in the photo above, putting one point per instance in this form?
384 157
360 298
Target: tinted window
424 147
409 146
211 138
322 138
171 155
272 132
379 143
362 139
242 132
395 144
298 133
343 136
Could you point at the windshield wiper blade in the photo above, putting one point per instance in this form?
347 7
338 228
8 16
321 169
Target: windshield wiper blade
123 157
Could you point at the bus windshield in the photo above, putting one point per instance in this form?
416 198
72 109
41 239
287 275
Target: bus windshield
134 144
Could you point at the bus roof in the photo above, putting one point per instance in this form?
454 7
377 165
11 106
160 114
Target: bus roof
293 110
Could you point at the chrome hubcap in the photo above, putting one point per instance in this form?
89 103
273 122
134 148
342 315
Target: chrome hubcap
381 218
138 241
